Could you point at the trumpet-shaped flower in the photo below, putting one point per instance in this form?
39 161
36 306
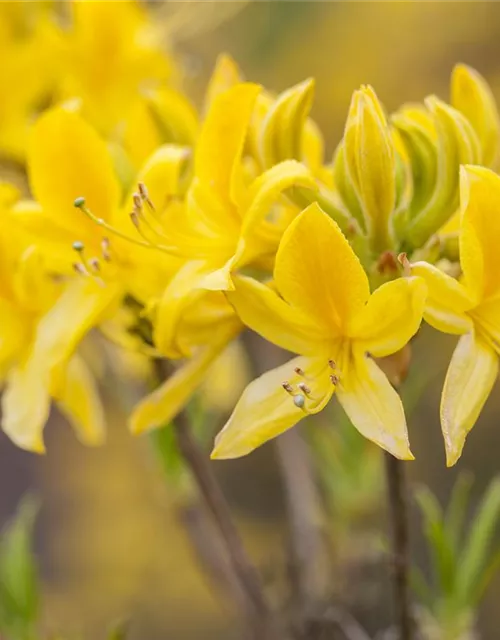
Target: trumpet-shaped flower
324 312
227 224
469 307
42 323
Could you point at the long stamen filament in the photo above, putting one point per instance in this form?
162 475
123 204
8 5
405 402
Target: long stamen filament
80 204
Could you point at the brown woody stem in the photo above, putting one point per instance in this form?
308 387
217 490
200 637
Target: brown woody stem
400 562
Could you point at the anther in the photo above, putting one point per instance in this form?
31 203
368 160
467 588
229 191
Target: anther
79 202
334 379
80 269
94 263
144 193
299 401
137 201
299 371
287 387
105 249
332 364
303 387
135 219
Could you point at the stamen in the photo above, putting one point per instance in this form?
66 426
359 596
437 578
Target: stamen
303 387
299 371
80 204
287 387
299 401
334 379
403 260
137 201
332 364
143 190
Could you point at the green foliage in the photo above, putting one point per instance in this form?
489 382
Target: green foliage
19 588
463 560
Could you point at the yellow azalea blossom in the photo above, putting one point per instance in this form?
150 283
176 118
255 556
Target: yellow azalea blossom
67 159
113 52
469 307
38 340
324 312
227 224
29 46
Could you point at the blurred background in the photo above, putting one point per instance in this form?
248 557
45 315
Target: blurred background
111 538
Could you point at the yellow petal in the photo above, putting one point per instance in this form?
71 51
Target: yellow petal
265 410
282 130
486 317
81 306
318 272
265 191
261 309
26 404
79 400
447 302
161 406
391 317
225 75
66 160
173 303
472 96
480 237
374 407
220 144
14 334
472 372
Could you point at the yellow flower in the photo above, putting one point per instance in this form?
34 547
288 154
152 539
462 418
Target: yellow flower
112 54
327 315
42 323
227 224
469 307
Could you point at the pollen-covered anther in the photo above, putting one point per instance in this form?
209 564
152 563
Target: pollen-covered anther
137 201
144 194
80 269
332 364
299 371
403 260
287 387
303 387
299 401
105 249
95 264
334 379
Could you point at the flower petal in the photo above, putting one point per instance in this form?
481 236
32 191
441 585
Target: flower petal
266 190
81 306
67 159
391 317
448 301
79 400
374 407
480 237
261 309
161 406
472 372
318 272
265 410
26 404
221 140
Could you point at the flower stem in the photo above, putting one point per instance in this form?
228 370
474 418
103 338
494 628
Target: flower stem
400 561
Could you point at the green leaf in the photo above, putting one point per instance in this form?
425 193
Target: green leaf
443 558
474 557
19 590
457 510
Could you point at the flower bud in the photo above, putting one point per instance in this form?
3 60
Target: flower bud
371 166
471 95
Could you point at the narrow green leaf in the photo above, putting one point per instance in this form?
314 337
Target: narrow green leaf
474 557
457 510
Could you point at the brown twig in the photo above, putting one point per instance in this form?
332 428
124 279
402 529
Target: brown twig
398 501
